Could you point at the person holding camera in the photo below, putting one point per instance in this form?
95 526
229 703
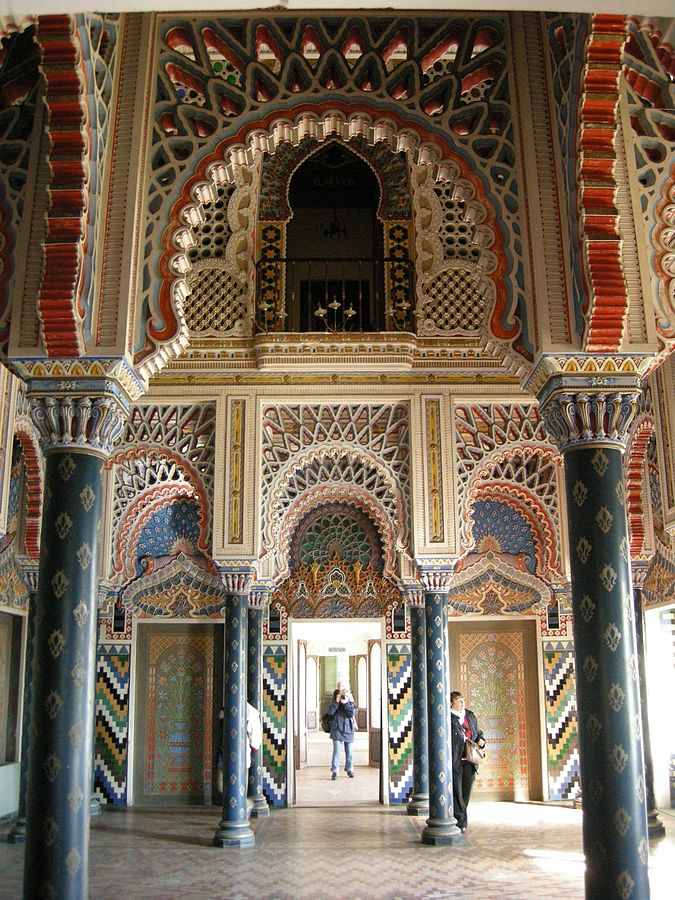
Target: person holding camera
341 712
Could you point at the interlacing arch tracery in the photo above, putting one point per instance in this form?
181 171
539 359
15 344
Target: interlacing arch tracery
525 477
504 448
145 481
340 470
168 455
360 446
437 89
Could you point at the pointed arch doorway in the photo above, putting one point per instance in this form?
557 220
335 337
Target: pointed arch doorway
324 653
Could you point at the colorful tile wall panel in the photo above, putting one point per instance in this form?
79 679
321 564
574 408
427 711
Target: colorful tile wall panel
111 736
274 722
493 664
562 747
180 714
400 710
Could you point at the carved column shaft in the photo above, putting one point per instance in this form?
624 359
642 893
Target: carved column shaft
441 827
77 434
234 829
590 426
418 804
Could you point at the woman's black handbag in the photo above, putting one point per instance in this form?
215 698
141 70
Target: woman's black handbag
473 753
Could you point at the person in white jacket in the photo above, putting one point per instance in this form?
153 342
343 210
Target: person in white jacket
253 742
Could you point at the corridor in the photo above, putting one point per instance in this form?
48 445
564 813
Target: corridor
512 851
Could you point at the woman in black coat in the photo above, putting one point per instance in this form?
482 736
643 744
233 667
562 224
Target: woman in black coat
463 725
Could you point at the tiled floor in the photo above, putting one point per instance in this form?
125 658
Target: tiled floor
511 852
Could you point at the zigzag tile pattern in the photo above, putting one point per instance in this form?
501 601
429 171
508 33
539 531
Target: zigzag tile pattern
112 727
274 725
561 723
400 706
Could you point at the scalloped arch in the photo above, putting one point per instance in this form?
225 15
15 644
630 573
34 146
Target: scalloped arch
25 434
483 476
637 492
139 513
325 496
321 121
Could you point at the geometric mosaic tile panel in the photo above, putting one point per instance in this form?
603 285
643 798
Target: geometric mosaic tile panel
112 726
492 675
400 704
562 747
274 722
179 750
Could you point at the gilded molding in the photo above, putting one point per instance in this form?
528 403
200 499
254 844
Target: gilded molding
236 470
434 471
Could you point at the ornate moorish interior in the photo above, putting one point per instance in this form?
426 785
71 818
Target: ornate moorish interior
336 347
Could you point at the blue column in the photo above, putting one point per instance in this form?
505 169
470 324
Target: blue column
17 834
77 433
234 829
590 424
418 805
256 615
441 827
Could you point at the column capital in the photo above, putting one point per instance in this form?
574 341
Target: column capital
414 594
587 400
29 572
261 591
78 422
237 578
436 579
639 569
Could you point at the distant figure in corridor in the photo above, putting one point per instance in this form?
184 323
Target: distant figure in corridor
341 712
463 726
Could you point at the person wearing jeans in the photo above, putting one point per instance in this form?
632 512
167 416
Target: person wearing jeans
341 712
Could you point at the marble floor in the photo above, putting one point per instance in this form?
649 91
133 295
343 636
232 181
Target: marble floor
349 847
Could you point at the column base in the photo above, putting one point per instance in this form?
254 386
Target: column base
655 827
441 832
233 834
17 834
418 805
260 809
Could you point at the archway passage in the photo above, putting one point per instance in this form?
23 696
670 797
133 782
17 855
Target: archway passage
330 655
